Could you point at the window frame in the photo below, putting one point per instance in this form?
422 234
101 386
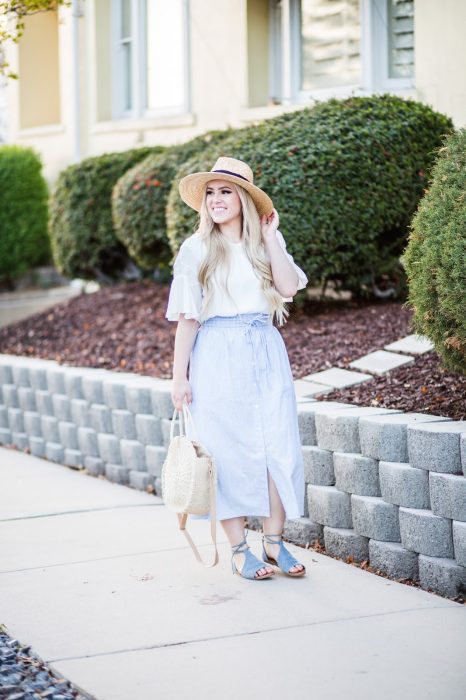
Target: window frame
139 109
373 15
375 28
324 92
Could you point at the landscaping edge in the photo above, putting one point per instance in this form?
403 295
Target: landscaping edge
382 486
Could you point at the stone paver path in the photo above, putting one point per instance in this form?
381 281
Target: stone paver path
411 344
363 368
337 378
381 361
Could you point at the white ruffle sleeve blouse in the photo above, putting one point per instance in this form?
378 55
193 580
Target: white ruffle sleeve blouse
244 283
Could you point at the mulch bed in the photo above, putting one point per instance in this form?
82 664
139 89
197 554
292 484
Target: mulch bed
123 328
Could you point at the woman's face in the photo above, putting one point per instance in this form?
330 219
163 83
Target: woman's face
223 202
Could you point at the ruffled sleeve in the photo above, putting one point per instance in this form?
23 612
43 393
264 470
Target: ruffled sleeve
185 290
302 278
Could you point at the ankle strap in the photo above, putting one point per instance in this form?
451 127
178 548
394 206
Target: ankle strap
268 539
238 547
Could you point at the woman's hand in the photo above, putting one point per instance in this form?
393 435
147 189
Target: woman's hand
269 225
180 389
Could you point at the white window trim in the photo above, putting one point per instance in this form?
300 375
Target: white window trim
139 65
274 56
118 110
144 124
373 49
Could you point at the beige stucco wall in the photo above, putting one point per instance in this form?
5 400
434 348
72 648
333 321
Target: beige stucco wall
228 77
218 86
219 60
52 140
38 63
440 50
258 52
99 52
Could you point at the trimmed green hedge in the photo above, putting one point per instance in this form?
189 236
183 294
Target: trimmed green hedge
24 241
435 258
81 227
140 196
345 177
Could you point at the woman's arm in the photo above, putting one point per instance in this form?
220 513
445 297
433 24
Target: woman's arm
285 277
184 340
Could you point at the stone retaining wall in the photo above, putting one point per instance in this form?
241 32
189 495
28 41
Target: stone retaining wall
111 423
381 485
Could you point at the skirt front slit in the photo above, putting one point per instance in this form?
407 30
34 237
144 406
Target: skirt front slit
245 414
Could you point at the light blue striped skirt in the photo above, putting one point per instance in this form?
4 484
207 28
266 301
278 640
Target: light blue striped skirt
245 414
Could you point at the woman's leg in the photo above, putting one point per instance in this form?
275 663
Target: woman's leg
234 530
273 525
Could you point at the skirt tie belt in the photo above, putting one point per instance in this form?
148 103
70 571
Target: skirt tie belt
258 341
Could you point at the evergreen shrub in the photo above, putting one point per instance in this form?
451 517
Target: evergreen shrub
83 238
435 257
140 197
345 177
24 240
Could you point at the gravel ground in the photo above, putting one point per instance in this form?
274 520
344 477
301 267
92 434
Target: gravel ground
123 328
24 676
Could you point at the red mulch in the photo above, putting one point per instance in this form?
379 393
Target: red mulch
422 386
123 328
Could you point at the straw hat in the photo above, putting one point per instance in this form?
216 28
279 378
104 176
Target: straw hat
192 186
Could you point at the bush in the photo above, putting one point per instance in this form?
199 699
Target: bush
81 227
436 254
139 200
24 240
345 177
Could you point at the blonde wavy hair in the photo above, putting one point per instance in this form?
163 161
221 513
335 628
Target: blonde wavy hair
218 255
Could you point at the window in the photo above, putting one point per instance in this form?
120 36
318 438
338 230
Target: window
126 41
325 48
165 78
400 39
330 37
389 55
150 74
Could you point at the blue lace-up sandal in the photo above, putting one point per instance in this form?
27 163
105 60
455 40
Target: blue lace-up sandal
251 563
285 560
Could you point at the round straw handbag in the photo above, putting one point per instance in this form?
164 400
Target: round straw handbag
189 479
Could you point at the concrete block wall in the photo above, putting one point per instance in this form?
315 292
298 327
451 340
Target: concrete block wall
390 488
111 423
381 485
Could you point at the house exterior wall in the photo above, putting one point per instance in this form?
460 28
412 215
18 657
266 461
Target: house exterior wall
52 140
228 77
441 57
38 64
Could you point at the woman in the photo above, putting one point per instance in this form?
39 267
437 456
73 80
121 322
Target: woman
229 278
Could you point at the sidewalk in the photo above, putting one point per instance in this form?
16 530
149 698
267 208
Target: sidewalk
98 579
17 306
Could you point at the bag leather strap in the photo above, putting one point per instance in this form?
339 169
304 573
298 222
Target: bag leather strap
183 517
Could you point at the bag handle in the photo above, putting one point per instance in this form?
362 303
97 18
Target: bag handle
183 416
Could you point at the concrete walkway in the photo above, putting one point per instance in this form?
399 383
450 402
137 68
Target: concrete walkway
16 306
98 579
